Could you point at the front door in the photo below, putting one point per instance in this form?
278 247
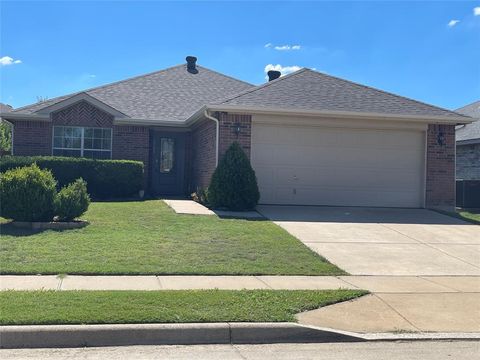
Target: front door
168 163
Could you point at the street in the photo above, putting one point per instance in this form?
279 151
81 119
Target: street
417 350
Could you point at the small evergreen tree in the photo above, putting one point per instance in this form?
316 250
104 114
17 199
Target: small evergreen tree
234 184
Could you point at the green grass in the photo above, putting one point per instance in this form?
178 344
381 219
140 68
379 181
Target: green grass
147 237
114 307
473 217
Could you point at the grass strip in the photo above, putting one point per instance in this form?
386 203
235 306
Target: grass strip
181 306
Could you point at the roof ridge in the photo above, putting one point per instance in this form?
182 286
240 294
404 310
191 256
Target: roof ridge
264 85
383 91
467 105
103 86
224 75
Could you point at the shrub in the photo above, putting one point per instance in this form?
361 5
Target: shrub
105 178
27 194
234 185
72 201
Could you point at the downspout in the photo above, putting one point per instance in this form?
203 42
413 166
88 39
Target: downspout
217 133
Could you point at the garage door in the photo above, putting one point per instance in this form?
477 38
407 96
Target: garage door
306 165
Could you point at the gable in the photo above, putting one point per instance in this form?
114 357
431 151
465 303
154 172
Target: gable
82 113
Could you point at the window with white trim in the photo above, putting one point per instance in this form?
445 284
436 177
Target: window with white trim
95 143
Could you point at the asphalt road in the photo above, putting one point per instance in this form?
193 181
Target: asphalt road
420 350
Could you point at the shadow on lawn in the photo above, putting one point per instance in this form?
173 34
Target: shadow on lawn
7 228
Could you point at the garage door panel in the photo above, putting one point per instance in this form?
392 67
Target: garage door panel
332 166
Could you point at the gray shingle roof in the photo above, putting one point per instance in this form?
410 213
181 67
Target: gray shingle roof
172 94
469 131
310 90
5 108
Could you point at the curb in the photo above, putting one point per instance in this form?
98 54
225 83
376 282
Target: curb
62 336
57 336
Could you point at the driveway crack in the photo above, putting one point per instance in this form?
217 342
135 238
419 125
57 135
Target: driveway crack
396 311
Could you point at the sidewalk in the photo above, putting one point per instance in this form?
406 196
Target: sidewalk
375 284
397 303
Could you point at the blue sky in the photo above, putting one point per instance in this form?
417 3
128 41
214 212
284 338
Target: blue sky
428 51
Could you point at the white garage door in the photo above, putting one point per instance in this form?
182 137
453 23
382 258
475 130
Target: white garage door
302 165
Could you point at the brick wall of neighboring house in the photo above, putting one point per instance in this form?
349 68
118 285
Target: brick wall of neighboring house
202 154
440 182
228 123
32 138
468 162
132 143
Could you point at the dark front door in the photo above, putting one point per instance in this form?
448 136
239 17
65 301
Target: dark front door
168 165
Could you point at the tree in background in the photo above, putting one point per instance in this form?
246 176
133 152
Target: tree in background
5 138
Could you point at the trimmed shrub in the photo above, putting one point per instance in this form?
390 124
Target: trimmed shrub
105 178
72 201
27 194
234 185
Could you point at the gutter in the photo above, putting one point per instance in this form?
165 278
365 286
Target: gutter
19 116
217 133
343 114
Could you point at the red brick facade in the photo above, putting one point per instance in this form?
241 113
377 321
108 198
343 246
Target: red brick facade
440 172
203 154
204 140
82 114
32 138
132 143
228 124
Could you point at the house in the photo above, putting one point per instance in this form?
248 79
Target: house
468 144
313 139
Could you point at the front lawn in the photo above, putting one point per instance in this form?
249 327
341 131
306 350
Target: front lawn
120 307
147 237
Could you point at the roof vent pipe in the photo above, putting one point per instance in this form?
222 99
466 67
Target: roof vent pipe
273 74
191 64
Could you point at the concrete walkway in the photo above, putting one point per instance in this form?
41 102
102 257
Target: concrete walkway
190 207
375 284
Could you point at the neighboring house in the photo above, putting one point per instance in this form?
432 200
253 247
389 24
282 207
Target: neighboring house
468 144
313 139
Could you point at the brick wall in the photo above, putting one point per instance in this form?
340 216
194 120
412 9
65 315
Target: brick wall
82 113
468 162
440 182
132 143
203 144
228 124
202 154
32 138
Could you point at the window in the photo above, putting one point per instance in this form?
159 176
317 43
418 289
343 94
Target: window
166 154
95 143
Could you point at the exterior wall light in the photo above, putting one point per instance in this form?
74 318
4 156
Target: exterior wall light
441 138
237 129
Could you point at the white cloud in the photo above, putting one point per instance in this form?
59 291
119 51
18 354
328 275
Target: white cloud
452 23
7 60
287 47
283 69
269 45
476 11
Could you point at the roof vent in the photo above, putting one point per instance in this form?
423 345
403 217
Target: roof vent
191 64
273 74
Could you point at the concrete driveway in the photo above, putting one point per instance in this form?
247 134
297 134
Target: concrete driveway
381 241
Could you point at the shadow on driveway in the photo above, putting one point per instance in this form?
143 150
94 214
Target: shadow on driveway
356 215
